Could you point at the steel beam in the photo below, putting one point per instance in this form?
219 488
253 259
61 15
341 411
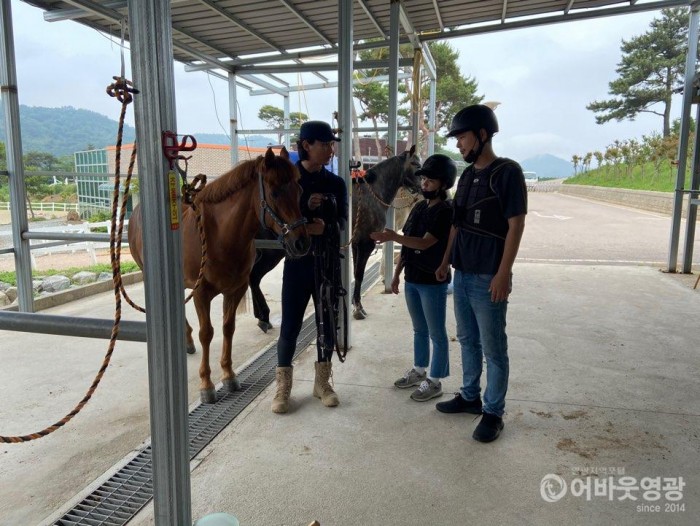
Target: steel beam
133 331
345 106
13 146
150 30
688 92
395 17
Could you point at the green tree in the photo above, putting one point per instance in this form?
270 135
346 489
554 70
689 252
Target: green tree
651 69
274 117
453 90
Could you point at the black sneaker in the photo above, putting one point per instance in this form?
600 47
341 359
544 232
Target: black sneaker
488 429
460 405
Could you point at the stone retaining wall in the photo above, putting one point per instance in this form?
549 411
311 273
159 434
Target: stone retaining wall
76 293
661 202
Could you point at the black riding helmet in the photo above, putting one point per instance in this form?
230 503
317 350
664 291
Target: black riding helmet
473 118
440 167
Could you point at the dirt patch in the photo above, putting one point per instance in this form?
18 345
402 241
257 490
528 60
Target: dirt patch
574 415
571 446
541 413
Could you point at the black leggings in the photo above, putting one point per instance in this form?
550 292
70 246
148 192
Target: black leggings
298 286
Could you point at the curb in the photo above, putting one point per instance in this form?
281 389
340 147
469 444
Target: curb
77 293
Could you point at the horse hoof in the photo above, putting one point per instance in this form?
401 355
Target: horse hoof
359 314
191 349
232 384
207 396
264 326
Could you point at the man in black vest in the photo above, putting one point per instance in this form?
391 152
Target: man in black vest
489 218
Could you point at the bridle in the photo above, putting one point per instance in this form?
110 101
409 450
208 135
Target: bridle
265 208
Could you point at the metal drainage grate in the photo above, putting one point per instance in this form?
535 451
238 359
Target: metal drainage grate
121 497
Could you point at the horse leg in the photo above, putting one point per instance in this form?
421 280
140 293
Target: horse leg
202 302
267 261
364 250
231 302
191 349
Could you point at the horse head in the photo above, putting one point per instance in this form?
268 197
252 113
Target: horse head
411 163
280 194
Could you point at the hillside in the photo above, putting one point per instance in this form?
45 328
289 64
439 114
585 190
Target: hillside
548 166
63 131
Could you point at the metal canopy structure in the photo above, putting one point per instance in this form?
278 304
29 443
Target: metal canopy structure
230 34
248 39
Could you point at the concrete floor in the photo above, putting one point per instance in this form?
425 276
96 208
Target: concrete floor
595 387
604 379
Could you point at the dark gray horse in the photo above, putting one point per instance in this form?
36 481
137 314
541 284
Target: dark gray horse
371 196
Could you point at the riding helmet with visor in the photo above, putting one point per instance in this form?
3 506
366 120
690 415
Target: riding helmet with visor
441 168
474 118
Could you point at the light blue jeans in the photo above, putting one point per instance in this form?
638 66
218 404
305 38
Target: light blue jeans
427 305
481 331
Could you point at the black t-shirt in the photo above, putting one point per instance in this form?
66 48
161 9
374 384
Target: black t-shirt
484 201
420 265
323 182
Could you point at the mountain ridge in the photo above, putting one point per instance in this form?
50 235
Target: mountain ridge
548 166
66 130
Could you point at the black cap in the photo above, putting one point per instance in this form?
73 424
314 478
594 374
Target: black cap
317 131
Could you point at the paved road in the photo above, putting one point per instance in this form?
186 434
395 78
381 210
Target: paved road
567 229
44 376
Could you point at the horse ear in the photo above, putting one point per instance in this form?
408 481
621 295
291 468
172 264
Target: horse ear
412 151
269 157
284 153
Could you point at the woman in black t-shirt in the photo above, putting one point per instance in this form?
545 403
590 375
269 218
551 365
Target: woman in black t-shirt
424 240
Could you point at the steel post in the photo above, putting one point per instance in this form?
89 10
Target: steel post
152 62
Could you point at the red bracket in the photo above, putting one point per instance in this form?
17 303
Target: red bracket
172 148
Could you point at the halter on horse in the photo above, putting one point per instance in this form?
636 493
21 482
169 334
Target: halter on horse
369 213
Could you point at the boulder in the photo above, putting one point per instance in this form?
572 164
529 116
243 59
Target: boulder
4 300
11 293
54 284
84 277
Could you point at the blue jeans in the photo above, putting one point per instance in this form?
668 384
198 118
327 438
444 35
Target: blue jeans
427 305
481 331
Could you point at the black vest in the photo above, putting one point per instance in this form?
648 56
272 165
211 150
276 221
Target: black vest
477 206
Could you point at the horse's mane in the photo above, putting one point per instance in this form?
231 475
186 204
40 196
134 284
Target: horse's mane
245 173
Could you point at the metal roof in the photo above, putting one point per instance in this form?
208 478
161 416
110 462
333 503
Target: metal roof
231 33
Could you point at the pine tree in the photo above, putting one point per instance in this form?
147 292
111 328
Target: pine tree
651 69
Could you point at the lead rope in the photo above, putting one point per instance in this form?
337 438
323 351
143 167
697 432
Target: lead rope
122 89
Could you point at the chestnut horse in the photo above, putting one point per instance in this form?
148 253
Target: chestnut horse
369 205
260 192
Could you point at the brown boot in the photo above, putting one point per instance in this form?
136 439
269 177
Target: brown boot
283 376
322 387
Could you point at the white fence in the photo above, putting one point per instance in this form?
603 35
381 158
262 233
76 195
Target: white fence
45 207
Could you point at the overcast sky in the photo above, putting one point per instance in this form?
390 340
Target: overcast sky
543 77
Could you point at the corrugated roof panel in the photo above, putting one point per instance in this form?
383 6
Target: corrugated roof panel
310 23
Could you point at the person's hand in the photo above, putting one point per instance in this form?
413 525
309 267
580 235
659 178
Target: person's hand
316 227
385 235
395 284
500 287
442 271
315 201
